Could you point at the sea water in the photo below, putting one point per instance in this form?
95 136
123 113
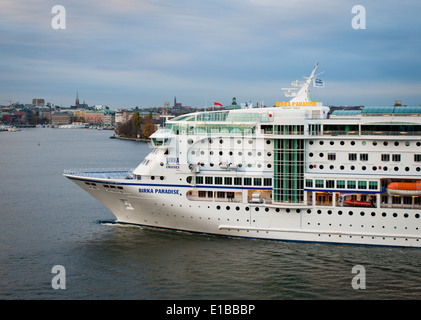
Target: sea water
47 221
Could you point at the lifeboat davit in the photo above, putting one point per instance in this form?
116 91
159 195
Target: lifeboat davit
404 188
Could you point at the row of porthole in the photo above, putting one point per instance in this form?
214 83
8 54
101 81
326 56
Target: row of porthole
363 168
352 143
340 212
240 165
362 213
221 141
221 153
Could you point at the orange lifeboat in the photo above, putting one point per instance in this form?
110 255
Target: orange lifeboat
404 188
357 203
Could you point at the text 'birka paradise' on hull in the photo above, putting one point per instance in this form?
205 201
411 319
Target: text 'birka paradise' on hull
296 104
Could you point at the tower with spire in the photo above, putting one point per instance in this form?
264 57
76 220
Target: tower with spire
77 99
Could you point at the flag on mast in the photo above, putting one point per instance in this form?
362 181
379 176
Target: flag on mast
318 83
217 104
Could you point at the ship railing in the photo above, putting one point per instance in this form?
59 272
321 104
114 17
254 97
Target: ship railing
106 173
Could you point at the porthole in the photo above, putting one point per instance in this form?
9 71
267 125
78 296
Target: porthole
362 213
384 214
395 214
269 165
269 154
406 215
237 208
267 141
342 167
221 153
247 208
310 143
218 207
373 214
396 143
321 167
308 211
332 143
250 141
352 143
190 141
374 143
406 168
256 209
228 207
239 141
396 168
321 154
385 143
350 213
321 142
221 141
311 154
267 209
340 212
342 143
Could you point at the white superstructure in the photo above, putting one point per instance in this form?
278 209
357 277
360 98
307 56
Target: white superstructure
294 172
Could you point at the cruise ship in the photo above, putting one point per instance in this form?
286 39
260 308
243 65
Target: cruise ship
294 172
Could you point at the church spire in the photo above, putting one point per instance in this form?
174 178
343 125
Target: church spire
77 98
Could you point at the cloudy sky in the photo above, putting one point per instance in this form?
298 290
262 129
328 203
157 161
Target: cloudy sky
125 53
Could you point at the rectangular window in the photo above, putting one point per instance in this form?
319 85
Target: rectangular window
362 184
417 157
210 194
218 180
309 183
396 157
247 181
208 180
372 185
199 180
331 156
319 183
385 157
330 184
351 185
340 184
228 180
220 194
238 181
267 182
352 157
257 181
202 194
364 157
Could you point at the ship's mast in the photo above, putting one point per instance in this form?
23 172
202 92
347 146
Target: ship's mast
302 95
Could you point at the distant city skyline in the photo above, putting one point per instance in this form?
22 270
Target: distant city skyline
143 53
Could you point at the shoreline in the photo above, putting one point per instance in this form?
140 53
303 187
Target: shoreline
131 139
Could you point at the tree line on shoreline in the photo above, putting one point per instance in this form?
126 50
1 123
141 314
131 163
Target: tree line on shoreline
137 127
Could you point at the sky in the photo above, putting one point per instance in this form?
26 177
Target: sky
127 53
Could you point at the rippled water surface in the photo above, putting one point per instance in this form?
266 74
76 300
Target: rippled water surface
46 220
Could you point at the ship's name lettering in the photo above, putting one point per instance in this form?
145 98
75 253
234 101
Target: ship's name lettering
158 190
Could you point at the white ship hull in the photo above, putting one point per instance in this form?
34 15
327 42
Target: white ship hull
282 173
345 225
